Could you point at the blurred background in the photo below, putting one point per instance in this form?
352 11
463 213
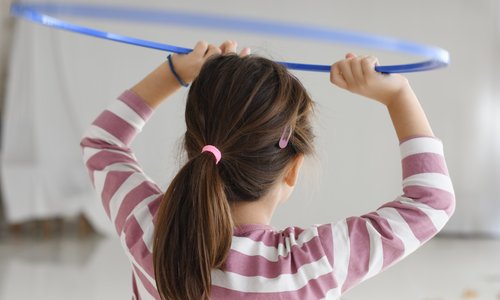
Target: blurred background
55 242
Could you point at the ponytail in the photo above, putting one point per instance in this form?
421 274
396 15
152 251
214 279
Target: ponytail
193 231
242 105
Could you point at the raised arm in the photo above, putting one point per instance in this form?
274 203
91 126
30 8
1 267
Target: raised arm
357 75
129 197
361 247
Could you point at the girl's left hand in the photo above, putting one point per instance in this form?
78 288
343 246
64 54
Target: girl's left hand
188 66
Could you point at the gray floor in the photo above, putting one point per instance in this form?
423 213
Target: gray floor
95 268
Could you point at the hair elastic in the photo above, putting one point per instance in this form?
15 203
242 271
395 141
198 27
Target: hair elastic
179 79
214 151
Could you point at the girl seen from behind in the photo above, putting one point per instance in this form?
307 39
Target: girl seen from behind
248 128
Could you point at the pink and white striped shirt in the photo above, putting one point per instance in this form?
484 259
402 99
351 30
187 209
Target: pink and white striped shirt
317 262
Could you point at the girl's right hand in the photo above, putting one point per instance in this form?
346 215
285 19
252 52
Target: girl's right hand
161 83
188 66
357 74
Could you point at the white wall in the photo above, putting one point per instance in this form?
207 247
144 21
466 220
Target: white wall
358 167
5 35
6 24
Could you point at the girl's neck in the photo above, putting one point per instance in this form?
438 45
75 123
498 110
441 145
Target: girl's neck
260 211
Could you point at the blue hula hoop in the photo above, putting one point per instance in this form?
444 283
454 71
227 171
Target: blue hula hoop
41 14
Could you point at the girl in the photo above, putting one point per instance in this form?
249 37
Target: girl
248 130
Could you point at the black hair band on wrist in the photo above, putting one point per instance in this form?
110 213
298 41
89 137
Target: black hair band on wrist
179 79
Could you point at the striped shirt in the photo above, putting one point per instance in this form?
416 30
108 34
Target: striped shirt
317 262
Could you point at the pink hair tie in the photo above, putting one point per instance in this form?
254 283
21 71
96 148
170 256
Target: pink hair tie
214 151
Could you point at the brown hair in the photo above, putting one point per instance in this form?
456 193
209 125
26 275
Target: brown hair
242 106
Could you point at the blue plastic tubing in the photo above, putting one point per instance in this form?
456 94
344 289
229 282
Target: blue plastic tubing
43 14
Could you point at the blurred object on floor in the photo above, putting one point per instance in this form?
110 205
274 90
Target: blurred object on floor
67 266
47 228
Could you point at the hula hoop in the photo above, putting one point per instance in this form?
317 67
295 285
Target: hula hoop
40 13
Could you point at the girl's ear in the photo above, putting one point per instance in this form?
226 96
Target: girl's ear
292 175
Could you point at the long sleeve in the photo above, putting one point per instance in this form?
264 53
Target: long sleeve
318 262
361 247
324 261
130 199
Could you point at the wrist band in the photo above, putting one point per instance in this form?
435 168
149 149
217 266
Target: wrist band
179 79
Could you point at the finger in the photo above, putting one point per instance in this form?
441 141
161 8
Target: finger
357 69
336 76
350 55
346 72
228 47
368 65
245 52
212 50
200 48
